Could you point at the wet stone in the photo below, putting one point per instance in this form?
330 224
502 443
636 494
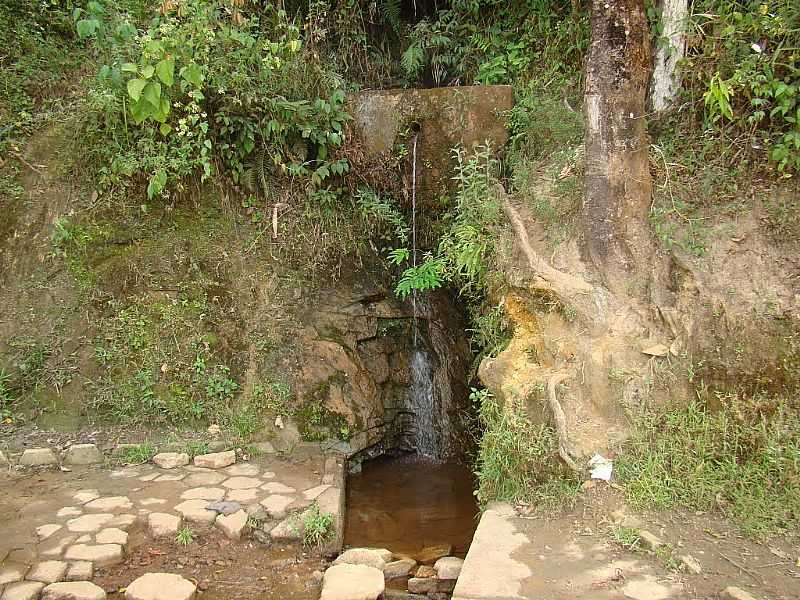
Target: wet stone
399 568
430 554
49 571
23 590
225 508
160 586
425 571
422 585
80 570
75 590
448 567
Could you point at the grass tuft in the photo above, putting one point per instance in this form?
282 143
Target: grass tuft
743 460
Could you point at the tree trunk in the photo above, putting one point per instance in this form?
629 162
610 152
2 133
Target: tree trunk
617 184
669 50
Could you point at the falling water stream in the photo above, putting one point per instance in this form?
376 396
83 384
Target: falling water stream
422 499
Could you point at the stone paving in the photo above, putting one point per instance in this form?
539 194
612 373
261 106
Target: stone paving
55 544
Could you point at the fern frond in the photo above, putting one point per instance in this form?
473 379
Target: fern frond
390 10
413 60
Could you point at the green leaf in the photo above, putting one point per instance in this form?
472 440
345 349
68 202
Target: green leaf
129 68
165 129
147 71
135 87
87 28
152 93
165 69
193 74
140 110
157 183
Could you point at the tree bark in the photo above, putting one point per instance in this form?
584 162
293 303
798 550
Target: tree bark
670 49
617 184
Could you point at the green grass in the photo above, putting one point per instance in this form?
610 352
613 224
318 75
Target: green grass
141 453
317 527
185 536
743 460
518 461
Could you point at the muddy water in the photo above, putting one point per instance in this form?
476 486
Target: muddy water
408 503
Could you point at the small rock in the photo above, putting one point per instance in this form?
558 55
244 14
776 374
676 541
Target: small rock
243 470
213 494
352 582
80 570
152 501
317 576
275 487
171 460
241 483
163 524
160 586
123 522
217 446
45 531
89 523
83 454
23 590
37 457
276 505
242 496
422 585
399 568
691 564
68 511
49 571
12 573
204 478
110 504
84 496
99 554
77 590
425 571
196 511
650 540
362 556
288 530
217 460
232 525
430 554
225 508
112 535
735 593
56 549
448 567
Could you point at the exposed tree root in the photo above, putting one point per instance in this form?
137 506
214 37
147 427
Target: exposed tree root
560 420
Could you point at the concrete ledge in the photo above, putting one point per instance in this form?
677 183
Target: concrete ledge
489 571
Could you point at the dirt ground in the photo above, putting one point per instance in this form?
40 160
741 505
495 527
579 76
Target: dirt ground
574 553
222 569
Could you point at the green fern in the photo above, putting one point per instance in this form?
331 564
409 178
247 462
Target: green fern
390 9
413 60
259 174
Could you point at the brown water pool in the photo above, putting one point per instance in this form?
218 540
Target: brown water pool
405 504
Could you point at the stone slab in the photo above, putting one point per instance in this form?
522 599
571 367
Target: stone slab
74 590
160 586
216 460
38 457
83 454
352 582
